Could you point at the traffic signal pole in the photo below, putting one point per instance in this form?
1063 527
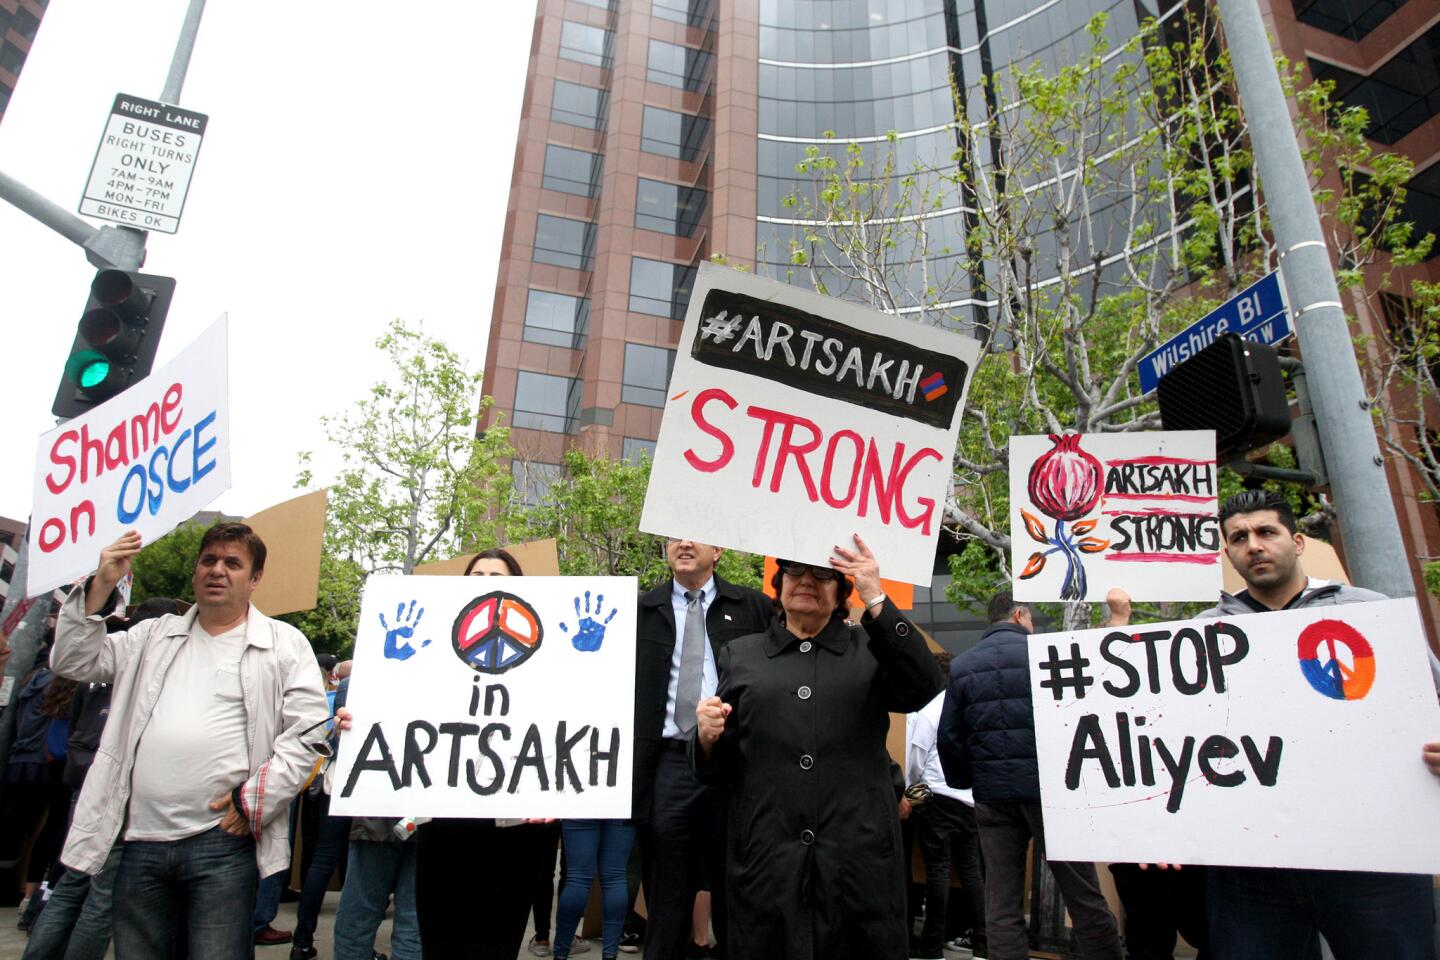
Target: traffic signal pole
1374 551
107 247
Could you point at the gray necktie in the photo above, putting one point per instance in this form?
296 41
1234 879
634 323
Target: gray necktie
692 664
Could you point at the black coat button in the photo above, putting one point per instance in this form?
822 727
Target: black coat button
807 837
806 762
902 629
806 646
803 693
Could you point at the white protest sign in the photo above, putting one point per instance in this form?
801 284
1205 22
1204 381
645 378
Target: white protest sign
491 697
1098 510
795 419
147 459
1288 739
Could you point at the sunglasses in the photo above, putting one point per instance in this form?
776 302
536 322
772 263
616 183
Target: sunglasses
798 570
321 748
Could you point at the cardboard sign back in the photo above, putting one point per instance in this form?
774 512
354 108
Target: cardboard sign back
294 535
538 558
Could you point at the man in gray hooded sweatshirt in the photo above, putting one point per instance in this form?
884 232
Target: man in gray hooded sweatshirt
1275 913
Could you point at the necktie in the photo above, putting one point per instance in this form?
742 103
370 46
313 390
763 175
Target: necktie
692 664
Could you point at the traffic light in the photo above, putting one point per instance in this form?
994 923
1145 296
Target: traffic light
1233 387
116 340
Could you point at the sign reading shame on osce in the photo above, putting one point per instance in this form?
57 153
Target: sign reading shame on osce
795 419
1286 739
147 459
1098 510
490 697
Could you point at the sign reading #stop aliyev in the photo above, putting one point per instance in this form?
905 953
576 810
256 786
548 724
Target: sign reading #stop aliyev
795 419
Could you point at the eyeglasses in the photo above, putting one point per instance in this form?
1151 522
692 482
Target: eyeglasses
798 570
321 748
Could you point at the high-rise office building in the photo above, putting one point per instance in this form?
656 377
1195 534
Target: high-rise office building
19 20
655 133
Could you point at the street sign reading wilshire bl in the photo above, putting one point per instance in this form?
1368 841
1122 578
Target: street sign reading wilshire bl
1257 313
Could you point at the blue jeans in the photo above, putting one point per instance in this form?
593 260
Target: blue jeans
1274 914
75 924
267 900
377 869
205 884
330 844
591 847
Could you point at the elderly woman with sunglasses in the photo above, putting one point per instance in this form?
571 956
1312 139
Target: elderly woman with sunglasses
797 728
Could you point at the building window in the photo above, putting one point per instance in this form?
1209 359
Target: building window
635 449
585 44
572 171
556 319
677 66
26 23
690 12
647 374
533 480
578 105
659 288
1399 95
545 402
602 4
11 57
564 242
1345 18
668 207
671 134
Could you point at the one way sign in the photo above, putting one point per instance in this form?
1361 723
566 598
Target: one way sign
1257 313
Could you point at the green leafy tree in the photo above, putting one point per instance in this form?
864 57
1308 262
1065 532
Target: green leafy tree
330 624
417 483
165 567
592 509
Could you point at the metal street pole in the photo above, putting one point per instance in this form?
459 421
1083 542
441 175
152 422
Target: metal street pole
1374 550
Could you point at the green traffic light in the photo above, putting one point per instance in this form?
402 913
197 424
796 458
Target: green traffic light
94 373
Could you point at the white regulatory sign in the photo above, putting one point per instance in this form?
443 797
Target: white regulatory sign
143 164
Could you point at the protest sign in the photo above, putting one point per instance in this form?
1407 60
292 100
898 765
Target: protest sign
1287 739
491 697
147 459
795 419
294 536
1093 511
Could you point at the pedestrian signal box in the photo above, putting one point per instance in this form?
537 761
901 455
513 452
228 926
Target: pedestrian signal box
1233 387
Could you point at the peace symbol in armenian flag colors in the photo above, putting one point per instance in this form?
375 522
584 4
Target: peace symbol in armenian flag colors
496 631
1325 646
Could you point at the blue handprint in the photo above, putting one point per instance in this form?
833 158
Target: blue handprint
406 620
589 632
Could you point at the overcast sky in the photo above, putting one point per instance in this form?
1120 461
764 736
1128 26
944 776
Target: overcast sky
355 169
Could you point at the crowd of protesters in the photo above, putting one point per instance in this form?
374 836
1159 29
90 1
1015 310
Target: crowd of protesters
163 762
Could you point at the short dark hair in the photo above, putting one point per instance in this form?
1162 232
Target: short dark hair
1002 605
496 553
1253 501
943 658
235 533
152 607
842 592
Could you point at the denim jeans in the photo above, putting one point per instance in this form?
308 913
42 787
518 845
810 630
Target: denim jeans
591 847
205 884
75 924
267 900
377 869
332 838
1274 914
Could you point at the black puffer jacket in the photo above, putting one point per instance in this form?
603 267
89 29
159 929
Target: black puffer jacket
987 730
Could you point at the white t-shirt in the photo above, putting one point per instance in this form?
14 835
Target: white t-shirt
194 749
922 757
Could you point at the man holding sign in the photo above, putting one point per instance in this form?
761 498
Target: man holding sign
200 759
1266 913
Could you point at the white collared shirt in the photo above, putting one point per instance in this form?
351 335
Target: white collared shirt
709 677
922 756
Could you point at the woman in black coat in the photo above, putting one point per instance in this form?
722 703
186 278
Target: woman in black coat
798 725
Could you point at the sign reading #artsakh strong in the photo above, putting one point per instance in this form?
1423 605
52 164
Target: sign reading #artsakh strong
794 420
147 459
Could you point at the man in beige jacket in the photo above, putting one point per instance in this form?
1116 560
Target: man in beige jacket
201 755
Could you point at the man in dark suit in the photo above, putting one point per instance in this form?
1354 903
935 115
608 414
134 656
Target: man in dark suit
682 623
